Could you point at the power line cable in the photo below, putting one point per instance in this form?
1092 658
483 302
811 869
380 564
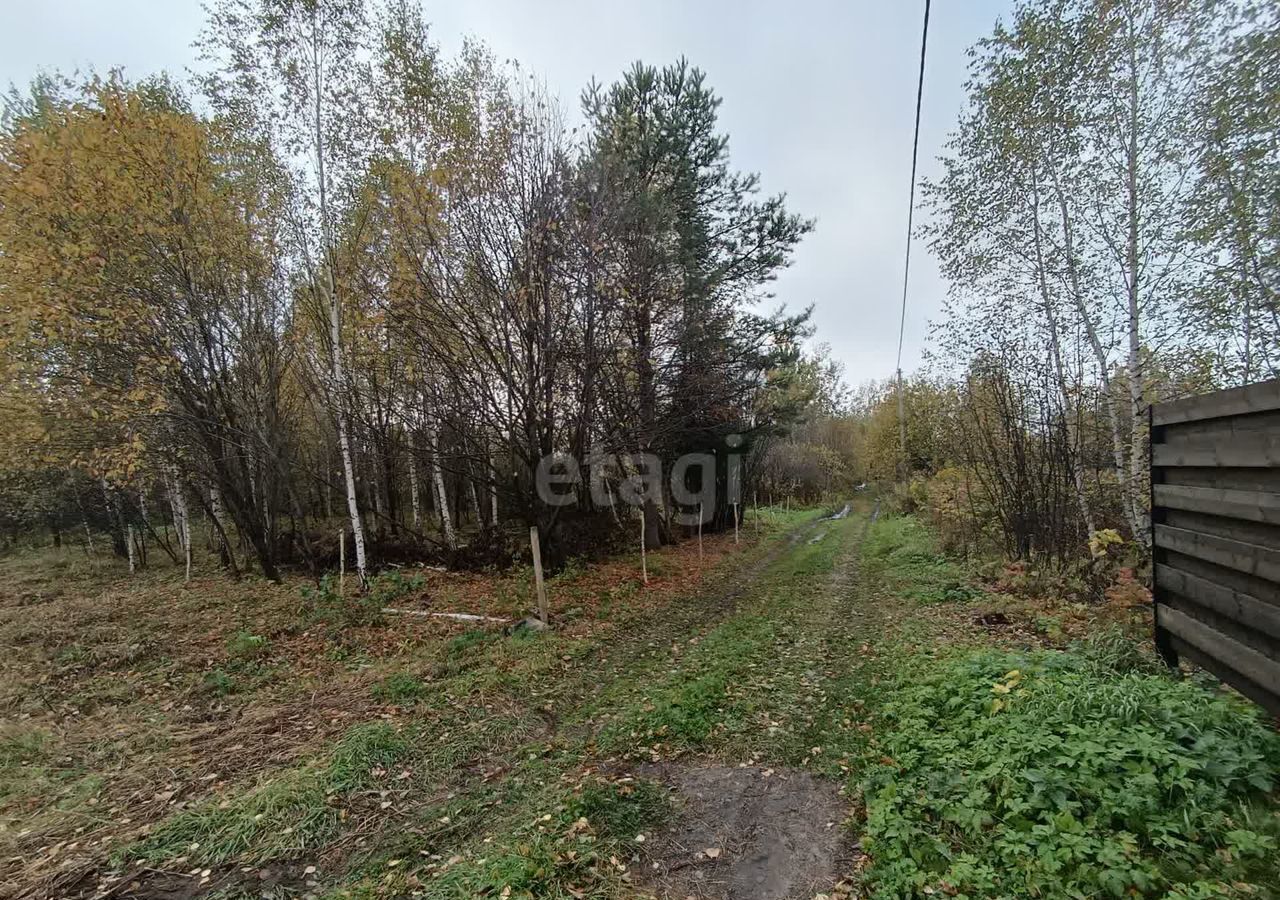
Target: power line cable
911 209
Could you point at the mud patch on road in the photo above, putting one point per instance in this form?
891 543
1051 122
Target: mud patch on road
751 832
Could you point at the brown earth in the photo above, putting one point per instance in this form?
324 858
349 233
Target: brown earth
749 833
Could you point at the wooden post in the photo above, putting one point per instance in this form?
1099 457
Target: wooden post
342 560
735 523
755 504
644 565
699 532
537 573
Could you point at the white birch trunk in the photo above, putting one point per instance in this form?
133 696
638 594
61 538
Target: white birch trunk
413 490
475 501
1104 366
344 436
327 283
1137 448
353 504
219 518
328 487
493 487
174 513
181 515
437 476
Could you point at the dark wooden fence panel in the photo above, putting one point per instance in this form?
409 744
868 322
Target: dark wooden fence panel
1215 530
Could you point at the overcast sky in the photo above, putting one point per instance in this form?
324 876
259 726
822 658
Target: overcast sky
818 98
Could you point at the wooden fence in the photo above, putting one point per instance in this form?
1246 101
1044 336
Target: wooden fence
1215 527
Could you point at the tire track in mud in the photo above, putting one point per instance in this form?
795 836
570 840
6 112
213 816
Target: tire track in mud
773 830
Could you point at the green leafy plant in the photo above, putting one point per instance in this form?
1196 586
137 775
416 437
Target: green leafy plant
244 645
219 683
1054 775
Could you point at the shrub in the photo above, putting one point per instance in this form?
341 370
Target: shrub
909 497
1051 775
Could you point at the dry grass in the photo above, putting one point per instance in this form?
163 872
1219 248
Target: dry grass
126 700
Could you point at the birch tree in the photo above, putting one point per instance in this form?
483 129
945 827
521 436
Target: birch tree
1233 216
297 71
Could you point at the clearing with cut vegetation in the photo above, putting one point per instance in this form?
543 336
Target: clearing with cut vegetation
830 708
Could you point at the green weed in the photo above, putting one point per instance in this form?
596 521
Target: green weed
244 646
219 683
325 604
399 687
904 551
1050 775
1112 651
71 656
475 637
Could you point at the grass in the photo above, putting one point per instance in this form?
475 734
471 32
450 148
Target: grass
464 642
501 761
279 775
570 852
289 813
736 686
399 687
903 550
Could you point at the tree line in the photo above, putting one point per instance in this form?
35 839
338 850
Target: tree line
1108 218
340 277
